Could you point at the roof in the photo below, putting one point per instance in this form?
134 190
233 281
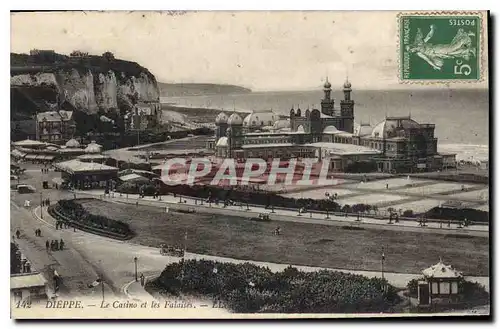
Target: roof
55 116
344 149
234 119
136 171
222 142
132 177
93 147
19 281
393 126
72 143
17 153
251 146
39 157
71 150
330 129
221 118
92 157
73 166
29 142
362 129
440 270
260 119
281 124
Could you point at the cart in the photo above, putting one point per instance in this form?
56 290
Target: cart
166 250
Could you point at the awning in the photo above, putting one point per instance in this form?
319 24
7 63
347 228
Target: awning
39 157
17 154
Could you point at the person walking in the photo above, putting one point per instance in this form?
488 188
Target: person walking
47 245
18 234
61 244
142 279
52 245
56 245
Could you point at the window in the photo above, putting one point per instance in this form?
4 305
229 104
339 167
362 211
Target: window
454 287
444 288
434 288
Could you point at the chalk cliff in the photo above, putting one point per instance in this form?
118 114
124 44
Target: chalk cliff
91 85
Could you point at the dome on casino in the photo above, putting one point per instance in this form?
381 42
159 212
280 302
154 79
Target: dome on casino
234 120
72 143
260 119
363 129
393 126
222 142
347 84
330 129
93 147
327 84
281 124
221 118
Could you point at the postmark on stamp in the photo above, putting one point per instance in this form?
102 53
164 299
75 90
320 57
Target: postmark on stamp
440 47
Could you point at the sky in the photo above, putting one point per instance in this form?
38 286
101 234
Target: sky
259 50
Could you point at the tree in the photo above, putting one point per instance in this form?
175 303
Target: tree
109 56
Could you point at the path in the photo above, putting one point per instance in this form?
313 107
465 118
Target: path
284 215
120 266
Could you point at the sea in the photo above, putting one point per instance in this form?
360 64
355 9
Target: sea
461 116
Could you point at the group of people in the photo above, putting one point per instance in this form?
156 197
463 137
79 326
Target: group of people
45 170
46 203
60 225
38 232
54 245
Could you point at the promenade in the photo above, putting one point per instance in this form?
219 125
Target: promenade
171 203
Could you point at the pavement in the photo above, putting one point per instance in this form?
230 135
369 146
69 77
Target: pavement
87 255
171 202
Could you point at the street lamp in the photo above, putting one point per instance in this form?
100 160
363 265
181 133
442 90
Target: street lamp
135 261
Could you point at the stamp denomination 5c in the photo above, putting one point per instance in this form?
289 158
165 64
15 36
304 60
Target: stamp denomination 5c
440 47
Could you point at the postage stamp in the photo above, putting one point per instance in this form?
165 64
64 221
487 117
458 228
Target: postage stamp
440 47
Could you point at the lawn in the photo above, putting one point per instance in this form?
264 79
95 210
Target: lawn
300 243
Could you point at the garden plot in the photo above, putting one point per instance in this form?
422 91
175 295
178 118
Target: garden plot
392 182
371 199
481 195
436 188
319 193
418 206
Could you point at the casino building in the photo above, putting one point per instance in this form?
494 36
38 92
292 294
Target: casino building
395 144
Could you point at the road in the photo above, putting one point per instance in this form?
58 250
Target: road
88 255
286 215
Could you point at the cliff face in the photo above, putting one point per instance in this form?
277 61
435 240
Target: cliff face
89 88
90 92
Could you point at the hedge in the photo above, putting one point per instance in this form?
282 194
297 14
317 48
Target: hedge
79 214
247 288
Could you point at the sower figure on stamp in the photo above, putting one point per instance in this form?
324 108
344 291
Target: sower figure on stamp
435 55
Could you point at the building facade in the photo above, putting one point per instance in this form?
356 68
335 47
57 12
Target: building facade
144 116
55 126
395 144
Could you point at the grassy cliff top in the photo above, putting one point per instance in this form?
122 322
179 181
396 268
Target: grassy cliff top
48 63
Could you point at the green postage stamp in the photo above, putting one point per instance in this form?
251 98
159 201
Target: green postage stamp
440 47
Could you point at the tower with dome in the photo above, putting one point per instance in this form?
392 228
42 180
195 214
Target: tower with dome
395 144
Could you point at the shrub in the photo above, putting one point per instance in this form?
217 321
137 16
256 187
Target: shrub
75 212
245 288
